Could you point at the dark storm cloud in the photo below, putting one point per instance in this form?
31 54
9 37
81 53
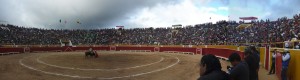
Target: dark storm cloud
91 13
110 13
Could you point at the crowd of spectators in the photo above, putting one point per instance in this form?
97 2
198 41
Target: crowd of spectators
262 31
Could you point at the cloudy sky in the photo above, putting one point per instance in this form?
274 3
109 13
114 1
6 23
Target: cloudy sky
94 14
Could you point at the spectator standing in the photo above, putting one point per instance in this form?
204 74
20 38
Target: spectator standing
210 69
252 62
240 69
272 70
285 63
257 56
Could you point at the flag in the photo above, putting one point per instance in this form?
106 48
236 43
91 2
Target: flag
78 22
61 44
70 43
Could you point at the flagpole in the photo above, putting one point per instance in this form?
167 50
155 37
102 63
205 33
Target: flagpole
210 20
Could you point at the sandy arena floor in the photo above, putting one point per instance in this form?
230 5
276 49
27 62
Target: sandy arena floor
109 65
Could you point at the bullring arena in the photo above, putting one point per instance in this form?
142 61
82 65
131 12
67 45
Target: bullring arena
113 63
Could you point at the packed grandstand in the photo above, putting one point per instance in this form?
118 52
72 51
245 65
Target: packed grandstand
222 32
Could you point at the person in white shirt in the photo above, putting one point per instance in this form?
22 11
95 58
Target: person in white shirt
90 50
297 46
285 63
286 44
272 70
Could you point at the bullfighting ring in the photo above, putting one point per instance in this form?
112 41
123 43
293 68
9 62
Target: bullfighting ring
110 65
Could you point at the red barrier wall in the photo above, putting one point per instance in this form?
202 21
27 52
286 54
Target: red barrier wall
32 49
135 48
278 65
179 49
94 48
112 48
220 52
6 50
267 58
217 52
199 51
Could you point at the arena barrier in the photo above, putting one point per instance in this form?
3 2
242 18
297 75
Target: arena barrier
86 48
178 49
294 65
222 53
45 49
121 48
232 47
12 50
278 65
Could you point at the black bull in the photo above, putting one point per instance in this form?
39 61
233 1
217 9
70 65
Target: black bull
91 54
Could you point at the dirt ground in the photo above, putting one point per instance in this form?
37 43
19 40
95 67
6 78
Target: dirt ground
109 65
